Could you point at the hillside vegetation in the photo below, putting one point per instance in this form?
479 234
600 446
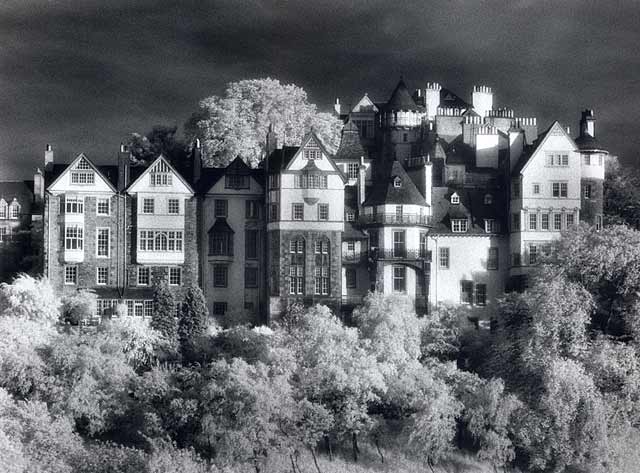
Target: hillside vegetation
554 386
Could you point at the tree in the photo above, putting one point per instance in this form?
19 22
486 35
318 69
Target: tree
621 194
164 312
78 306
193 317
237 123
161 140
30 298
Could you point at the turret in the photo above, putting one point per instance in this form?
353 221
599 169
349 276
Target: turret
588 124
482 99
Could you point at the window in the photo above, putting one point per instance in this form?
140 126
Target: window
399 247
173 206
598 222
586 159
220 275
83 177
5 234
71 275
351 277
488 199
443 258
102 207
455 198
352 170
251 244
3 209
515 188
236 181
556 159
323 211
158 179
570 220
492 259
74 237
374 239
599 160
423 252
220 208
296 270
459 225
490 225
536 189
221 244
533 253
74 205
533 221
321 251
350 217
559 189
515 222
160 240
399 213
148 308
14 210
544 221
250 277
399 278
557 222
517 259
252 209
466 292
351 246
274 181
312 154
587 191
102 242
405 137
102 276
273 212
481 294
298 211
397 182
219 308
148 206
144 275
175 276
313 181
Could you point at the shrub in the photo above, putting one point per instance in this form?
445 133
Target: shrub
78 306
29 298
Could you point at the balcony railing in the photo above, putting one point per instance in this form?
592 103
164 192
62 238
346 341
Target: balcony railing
350 257
401 254
397 219
352 299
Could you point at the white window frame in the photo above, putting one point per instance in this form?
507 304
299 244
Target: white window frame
321 208
145 207
99 230
444 258
144 273
297 211
101 200
170 204
459 225
73 204
102 271
71 275
175 276
74 232
455 198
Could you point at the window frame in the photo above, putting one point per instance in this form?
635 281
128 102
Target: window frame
148 206
175 276
399 278
101 201
297 211
323 209
351 278
99 243
493 258
70 275
143 273
444 257
173 206
102 271
220 208
220 275
251 283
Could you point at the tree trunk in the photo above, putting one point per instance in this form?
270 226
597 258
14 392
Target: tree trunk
430 463
328 442
375 440
354 443
315 460
293 465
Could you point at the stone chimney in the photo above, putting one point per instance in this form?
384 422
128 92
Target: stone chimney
588 124
482 98
197 160
272 141
38 187
337 107
124 163
362 182
48 158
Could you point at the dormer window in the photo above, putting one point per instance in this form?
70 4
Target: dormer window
455 198
14 210
488 199
160 179
82 173
3 208
397 182
459 225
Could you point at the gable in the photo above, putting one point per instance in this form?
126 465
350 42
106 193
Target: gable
160 178
81 176
365 105
312 153
555 140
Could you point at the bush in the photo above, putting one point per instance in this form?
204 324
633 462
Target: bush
78 307
29 298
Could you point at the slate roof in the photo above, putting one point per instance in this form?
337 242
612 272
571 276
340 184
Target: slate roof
351 232
350 145
460 153
22 191
471 206
588 142
450 100
280 158
401 99
384 192
221 226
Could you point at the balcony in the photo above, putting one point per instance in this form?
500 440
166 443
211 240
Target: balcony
395 219
405 254
352 299
354 258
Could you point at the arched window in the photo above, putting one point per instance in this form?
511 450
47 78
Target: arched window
3 209
323 266
296 269
161 242
14 210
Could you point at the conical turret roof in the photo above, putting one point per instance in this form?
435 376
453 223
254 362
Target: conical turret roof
401 98
350 145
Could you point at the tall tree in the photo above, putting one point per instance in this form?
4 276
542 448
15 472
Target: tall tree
193 317
164 310
161 140
237 123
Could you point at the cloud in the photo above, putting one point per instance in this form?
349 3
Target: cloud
82 75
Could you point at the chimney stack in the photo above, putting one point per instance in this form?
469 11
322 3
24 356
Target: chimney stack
124 162
588 124
272 141
48 158
38 186
337 107
197 160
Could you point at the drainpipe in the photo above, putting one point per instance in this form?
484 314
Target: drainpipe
434 263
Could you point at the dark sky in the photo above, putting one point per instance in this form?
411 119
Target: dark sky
83 74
